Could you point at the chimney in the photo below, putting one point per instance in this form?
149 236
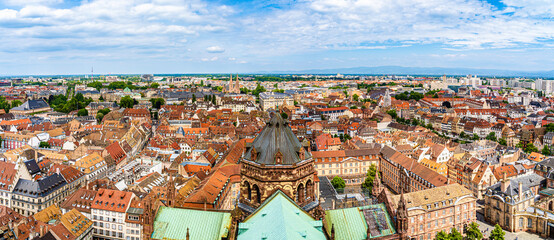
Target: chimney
41 230
188 235
504 183
16 230
520 185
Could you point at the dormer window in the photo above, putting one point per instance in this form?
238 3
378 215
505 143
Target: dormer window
253 154
278 157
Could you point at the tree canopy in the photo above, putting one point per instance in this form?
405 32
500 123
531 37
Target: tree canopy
338 182
497 233
370 177
127 102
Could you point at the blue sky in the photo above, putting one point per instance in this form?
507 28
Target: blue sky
211 36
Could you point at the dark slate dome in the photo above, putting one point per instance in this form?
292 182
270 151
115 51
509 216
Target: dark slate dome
276 145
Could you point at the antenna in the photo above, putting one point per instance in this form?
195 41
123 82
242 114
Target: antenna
92 72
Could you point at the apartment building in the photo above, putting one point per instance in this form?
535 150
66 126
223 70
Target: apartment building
508 201
350 165
109 213
272 100
436 209
403 174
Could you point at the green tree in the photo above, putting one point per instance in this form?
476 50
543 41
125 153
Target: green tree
463 135
157 102
497 233
284 115
530 147
193 97
549 127
370 177
473 232
82 112
101 98
338 182
4 104
355 97
392 113
99 116
455 235
475 137
154 85
491 136
44 145
502 141
519 145
127 102
259 89
546 150
441 236
16 103
429 126
96 84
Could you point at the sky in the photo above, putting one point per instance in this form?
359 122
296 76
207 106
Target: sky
240 36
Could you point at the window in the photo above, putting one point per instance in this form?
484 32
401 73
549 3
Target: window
521 222
529 223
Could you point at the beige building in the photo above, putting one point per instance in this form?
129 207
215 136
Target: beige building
350 165
511 204
272 100
437 209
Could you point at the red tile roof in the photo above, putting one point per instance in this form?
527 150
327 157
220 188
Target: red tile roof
112 200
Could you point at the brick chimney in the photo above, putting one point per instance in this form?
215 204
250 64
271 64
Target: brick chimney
504 183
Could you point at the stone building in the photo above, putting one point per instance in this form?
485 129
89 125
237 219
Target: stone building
422 214
276 160
512 204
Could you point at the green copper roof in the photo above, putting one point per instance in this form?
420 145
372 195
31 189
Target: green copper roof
172 223
352 223
280 218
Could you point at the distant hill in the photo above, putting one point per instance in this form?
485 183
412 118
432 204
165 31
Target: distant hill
397 70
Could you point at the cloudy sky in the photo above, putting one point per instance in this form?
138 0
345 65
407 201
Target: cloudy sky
194 36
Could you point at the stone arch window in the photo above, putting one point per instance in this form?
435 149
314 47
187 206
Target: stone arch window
257 194
300 193
310 189
248 190
550 205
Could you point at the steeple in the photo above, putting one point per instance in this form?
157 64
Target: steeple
402 216
377 188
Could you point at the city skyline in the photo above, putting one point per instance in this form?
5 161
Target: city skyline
217 36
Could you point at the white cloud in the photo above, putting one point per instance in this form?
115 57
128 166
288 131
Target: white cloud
209 59
215 49
355 24
31 2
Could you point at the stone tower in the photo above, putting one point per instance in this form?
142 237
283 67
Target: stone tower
275 161
402 217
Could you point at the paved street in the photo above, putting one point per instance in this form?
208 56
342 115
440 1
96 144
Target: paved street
487 228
